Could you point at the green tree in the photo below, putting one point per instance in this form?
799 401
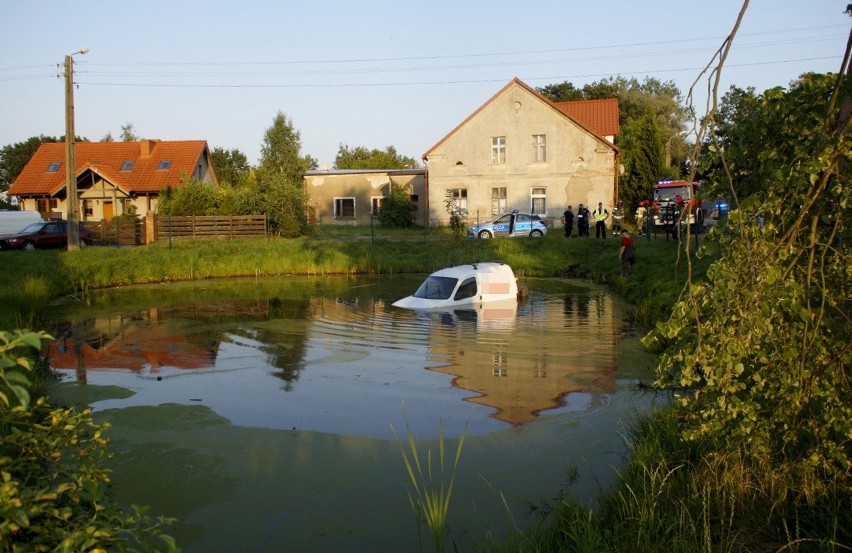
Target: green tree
363 158
642 157
637 100
397 211
280 177
761 352
128 134
231 165
14 157
192 197
280 153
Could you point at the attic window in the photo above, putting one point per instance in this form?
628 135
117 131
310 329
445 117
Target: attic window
53 167
165 164
127 165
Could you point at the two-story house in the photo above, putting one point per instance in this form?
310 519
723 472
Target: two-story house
521 151
111 176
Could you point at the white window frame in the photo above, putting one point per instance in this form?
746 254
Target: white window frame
460 200
539 148
499 204
338 207
538 193
498 150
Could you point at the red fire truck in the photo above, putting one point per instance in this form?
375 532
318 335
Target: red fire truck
677 207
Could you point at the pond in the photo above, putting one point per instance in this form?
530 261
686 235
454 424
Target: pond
271 414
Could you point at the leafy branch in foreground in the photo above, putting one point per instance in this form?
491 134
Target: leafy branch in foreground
54 489
760 352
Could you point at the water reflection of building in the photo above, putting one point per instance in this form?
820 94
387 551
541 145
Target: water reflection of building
529 370
130 342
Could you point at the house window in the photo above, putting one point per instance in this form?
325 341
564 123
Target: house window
88 209
53 167
539 148
460 200
498 149
498 201
344 208
165 164
376 204
538 204
127 165
46 205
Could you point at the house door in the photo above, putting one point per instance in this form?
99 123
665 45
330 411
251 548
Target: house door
107 211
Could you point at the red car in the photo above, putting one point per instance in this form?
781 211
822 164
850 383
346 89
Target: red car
45 234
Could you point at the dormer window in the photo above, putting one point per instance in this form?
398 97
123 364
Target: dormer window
53 167
165 164
127 165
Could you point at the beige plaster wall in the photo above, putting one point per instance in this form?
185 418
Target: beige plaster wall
580 168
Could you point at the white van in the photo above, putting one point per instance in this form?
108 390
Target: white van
12 222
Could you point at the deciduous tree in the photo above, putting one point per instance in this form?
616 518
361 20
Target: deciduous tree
14 157
364 158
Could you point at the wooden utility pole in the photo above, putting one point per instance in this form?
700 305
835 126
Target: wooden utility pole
70 168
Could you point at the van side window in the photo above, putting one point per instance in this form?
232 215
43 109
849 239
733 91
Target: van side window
467 289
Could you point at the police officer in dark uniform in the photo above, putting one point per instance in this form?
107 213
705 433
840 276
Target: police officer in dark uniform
568 221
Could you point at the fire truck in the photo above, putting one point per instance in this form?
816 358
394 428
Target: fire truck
677 207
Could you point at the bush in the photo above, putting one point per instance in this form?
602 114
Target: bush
54 487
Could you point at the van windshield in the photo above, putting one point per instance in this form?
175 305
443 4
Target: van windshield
436 288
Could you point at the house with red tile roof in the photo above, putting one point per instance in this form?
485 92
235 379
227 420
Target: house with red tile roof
521 151
111 176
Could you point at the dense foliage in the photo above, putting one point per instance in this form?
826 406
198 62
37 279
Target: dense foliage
54 487
652 118
761 351
232 165
364 158
397 210
14 157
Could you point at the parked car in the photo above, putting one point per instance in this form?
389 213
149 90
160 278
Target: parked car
12 221
511 224
45 234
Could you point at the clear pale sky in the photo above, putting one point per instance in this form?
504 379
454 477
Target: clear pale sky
370 73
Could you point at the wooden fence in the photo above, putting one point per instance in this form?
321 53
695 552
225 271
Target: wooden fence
119 231
200 227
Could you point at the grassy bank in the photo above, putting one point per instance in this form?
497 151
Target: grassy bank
31 280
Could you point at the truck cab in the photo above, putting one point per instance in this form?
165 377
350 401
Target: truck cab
677 207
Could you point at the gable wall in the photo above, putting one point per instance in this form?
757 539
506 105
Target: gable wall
579 168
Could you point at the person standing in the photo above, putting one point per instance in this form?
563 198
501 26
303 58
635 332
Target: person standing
600 215
617 218
640 217
582 221
627 253
568 221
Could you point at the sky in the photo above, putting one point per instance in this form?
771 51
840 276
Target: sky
373 73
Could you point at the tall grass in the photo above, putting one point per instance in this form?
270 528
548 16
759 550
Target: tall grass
432 483
678 496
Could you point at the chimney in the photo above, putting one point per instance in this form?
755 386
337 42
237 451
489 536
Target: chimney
147 147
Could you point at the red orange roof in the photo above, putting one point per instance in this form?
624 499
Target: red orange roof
45 172
599 116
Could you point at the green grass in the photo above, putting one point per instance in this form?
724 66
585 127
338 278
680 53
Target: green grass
679 496
30 280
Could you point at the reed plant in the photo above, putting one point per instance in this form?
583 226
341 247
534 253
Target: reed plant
432 482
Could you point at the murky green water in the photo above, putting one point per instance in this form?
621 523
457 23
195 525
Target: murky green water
269 415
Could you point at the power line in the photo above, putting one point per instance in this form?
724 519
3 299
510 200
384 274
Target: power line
428 83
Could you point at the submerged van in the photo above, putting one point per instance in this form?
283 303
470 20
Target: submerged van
13 222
